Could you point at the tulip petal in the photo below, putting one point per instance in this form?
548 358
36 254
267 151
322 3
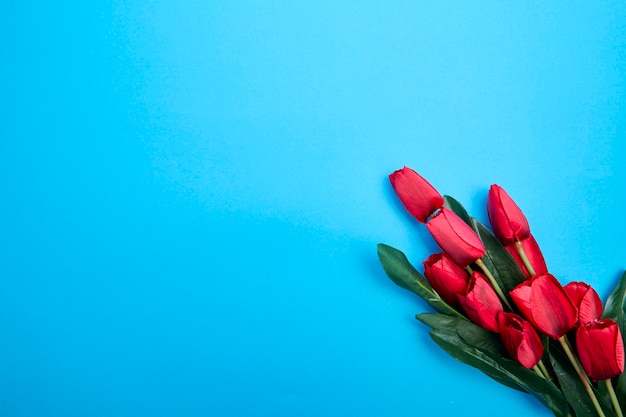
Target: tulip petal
552 310
586 299
417 195
600 349
455 237
508 222
481 303
543 302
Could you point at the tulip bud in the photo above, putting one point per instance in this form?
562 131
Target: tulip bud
416 194
455 237
543 302
586 299
446 277
481 303
507 220
520 339
533 254
600 349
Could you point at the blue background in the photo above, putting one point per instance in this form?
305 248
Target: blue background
192 193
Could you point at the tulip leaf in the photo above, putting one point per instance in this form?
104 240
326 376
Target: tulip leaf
503 370
620 390
403 274
573 388
615 307
469 332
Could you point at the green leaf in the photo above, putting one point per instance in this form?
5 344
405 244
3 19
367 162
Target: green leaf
573 388
484 350
620 390
503 370
403 274
498 260
469 332
615 307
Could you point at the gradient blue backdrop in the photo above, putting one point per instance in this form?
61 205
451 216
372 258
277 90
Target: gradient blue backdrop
191 194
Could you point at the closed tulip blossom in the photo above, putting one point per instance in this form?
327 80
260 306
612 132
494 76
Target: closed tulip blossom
586 300
446 277
481 303
455 237
600 349
507 220
533 256
543 301
416 194
520 339
512 230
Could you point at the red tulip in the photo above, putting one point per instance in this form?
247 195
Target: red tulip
543 302
416 194
455 237
520 339
507 220
481 303
600 349
446 277
586 299
533 253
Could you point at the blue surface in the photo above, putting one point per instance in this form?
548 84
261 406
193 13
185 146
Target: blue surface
192 193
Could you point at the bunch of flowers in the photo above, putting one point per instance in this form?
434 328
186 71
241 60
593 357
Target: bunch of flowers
499 309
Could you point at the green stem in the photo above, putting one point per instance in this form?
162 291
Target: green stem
539 372
609 387
525 261
581 374
544 370
493 282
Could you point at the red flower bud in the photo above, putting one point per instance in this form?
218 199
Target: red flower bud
507 220
446 277
520 339
533 253
586 299
416 194
481 303
600 349
455 237
543 302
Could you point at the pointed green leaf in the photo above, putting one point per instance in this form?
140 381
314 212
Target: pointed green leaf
503 370
470 337
620 390
573 388
615 307
403 274
468 331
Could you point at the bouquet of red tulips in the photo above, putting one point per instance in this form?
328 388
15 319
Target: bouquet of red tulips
500 310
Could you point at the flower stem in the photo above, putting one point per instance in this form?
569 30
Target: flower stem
493 282
581 374
525 261
538 371
544 370
614 401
